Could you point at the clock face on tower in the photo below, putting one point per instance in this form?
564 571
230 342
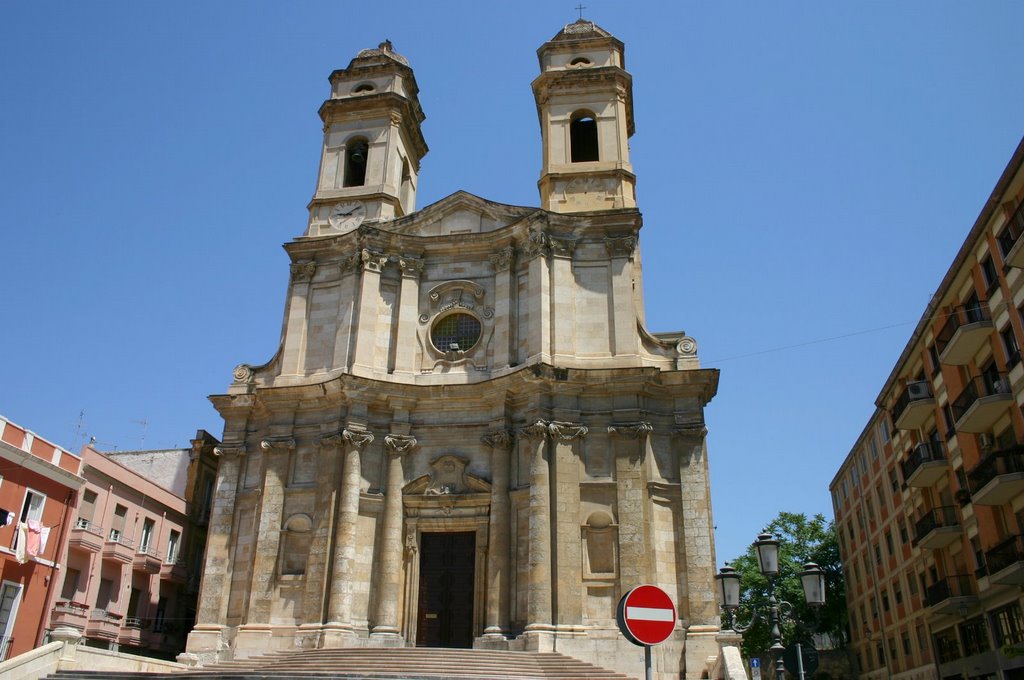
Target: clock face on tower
347 216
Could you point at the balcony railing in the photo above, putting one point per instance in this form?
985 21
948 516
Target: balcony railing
937 528
982 402
963 333
959 585
1010 242
118 547
925 464
147 559
913 406
998 477
86 535
1006 561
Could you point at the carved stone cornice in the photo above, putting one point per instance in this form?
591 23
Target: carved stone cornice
400 443
373 260
502 259
277 444
303 271
331 440
356 438
635 430
349 262
620 245
229 452
410 266
499 439
696 431
535 431
566 432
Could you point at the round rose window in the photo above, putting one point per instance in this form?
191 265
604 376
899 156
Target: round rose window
455 332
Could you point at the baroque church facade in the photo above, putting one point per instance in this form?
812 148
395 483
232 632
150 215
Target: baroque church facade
467 436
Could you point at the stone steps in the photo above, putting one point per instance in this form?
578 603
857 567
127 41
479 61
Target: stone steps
407 663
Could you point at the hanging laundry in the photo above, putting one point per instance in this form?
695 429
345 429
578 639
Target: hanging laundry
19 548
43 535
6 517
35 531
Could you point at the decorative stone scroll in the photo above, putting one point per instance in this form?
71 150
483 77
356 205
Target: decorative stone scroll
536 244
567 432
410 266
499 439
357 438
303 271
687 346
277 444
373 260
636 430
227 452
455 294
535 431
502 259
620 245
400 443
243 373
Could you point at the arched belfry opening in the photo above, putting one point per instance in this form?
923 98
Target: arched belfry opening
583 137
356 154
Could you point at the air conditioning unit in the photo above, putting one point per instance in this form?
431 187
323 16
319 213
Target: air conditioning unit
985 441
919 390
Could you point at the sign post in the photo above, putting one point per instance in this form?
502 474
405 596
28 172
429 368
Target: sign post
646 617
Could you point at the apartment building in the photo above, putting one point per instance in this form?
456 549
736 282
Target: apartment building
39 482
135 548
929 503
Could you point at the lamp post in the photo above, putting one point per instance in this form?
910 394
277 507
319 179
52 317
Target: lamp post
812 578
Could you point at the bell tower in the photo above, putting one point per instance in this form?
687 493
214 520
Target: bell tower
585 105
372 144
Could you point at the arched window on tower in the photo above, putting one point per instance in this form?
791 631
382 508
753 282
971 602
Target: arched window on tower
356 152
583 137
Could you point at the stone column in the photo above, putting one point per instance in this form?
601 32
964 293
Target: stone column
623 331
325 512
697 527
264 567
408 315
504 337
630 449
568 596
496 616
339 607
389 578
369 301
538 597
215 590
294 337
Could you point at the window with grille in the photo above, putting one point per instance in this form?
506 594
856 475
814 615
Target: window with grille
455 332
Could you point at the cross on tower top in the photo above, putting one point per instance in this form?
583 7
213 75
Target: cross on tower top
579 8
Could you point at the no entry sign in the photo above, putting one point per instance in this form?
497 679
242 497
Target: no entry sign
646 615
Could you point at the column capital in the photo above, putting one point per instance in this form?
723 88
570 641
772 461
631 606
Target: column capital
229 451
621 246
566 432
562 247
303 271
400 443
537 243
410 266
277 444
373 260
637 430
499 439
357 438
537 430
696 431
502 259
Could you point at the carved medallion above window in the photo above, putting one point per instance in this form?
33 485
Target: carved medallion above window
456 328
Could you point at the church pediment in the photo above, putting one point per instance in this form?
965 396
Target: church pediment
447 477
460 213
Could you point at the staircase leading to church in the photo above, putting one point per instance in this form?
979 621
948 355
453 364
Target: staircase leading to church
380 663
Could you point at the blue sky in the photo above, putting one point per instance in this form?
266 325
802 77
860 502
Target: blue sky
806 171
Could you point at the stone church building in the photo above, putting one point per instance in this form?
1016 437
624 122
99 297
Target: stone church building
467 436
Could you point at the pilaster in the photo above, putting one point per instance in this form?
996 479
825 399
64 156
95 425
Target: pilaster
369 301
568 596
295 329
504 337
496 619
630 450
408 313
325 513
624 333
216 582
697 526
563 314
276 451
538 321
539 605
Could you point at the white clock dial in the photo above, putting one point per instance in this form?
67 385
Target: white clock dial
347 216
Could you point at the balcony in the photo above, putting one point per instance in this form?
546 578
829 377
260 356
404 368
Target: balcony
1010 242
913 406
925 465
103 624
147 559
937 528
131 633
86 536
175 572
948 595
1005 562
983 401
965 331
118 548
73 614
999 477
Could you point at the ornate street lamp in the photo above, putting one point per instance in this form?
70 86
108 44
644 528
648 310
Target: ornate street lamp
812 578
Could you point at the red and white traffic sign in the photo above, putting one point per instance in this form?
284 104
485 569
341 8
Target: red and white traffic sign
646 615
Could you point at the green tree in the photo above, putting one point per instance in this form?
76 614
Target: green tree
801 540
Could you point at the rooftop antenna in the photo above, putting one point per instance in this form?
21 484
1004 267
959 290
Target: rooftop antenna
145 424
79 435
